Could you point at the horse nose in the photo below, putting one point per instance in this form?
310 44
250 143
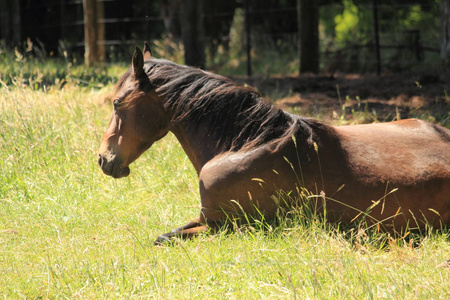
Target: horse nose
100 160
104 164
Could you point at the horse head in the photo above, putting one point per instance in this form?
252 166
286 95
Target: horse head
137 121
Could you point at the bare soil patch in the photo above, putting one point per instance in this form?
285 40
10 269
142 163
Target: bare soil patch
384 98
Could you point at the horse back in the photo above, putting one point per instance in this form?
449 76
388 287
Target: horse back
404 152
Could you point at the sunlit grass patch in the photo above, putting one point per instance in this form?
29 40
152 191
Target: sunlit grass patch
68 231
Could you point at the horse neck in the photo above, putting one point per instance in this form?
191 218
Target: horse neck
222 117
198 145
202 144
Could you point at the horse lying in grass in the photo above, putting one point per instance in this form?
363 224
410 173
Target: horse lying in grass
245 151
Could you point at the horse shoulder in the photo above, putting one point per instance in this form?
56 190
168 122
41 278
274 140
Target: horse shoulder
229 167
249 178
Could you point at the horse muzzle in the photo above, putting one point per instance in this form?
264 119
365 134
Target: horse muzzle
113 166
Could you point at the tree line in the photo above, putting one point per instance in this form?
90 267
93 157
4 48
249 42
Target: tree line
199 24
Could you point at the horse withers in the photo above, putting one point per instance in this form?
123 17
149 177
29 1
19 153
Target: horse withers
246 151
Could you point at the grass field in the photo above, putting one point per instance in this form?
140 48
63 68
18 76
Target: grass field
69 232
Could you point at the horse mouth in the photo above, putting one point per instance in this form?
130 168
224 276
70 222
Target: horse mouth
113 167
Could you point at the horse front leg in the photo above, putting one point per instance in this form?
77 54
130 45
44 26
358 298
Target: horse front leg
184 232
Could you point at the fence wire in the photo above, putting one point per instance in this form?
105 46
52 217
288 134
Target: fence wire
403 45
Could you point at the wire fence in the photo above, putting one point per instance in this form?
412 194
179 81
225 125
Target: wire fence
405 42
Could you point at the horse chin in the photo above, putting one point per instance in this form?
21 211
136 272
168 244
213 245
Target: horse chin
122 172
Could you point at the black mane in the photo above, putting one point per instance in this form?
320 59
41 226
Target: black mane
235 115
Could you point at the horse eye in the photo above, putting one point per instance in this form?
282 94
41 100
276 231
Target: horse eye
116 103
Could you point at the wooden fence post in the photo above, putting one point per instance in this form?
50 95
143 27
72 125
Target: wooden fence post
192 32
445 33
377 37
308 29
10 22
94 32
248 45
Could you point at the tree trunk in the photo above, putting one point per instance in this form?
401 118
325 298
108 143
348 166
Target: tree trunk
10 22
100 27
169 11
192 32
94 32
308 29
445 33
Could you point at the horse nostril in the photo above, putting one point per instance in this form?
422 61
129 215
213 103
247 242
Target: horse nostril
100 160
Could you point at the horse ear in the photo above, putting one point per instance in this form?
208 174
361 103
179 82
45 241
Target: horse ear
147 51
138 63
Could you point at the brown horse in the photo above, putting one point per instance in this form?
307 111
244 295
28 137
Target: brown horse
245 151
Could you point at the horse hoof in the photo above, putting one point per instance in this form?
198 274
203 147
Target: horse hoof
162 240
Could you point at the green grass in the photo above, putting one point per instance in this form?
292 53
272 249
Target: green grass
40 72
69 232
